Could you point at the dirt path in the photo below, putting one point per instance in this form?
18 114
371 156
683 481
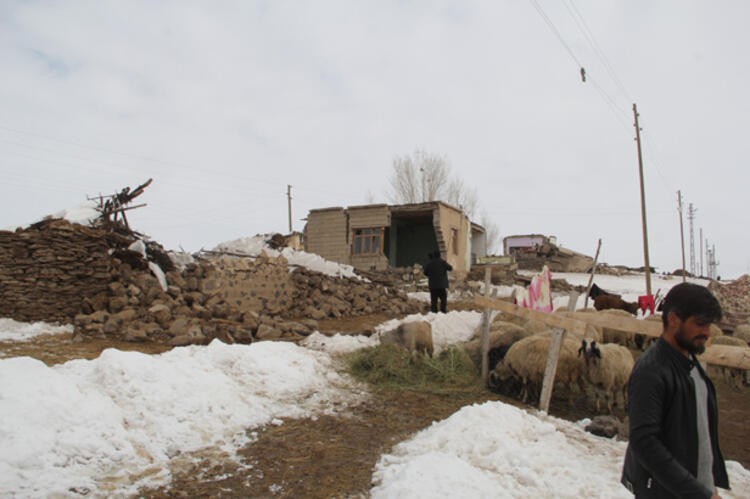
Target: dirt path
323 457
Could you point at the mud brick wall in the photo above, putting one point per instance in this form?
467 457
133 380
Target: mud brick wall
48 269
262 285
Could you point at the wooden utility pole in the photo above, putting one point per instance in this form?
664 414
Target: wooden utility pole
682 234
289 203
643 202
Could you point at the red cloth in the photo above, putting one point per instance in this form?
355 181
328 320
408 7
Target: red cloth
646 302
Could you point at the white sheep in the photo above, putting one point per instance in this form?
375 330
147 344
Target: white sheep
607 368
526 361
743 332
414 336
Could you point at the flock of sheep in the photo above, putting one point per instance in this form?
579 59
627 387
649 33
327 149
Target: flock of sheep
597 363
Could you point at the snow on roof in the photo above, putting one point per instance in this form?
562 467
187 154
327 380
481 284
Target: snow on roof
254 246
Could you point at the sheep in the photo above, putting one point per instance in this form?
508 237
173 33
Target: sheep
501 336
526 361
610 335
604 302
414 336
607 367
727 340
743 332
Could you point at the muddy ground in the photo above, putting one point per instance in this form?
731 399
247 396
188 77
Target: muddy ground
335 456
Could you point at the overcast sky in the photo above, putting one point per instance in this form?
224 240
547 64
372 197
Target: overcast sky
225 103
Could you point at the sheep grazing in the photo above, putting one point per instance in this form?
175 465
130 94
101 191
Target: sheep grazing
414 336
604 302
501 336
607 367
526 360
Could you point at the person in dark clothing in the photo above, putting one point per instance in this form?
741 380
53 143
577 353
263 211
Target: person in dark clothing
674 441
436 271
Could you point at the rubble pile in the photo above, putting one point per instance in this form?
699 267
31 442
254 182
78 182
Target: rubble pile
734 297
231 298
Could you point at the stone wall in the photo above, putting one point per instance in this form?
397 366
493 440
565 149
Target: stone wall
49 269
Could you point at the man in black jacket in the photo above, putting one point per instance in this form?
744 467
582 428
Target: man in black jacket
436 271
674 442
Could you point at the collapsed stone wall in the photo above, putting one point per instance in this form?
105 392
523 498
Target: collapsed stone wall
48 269
233 299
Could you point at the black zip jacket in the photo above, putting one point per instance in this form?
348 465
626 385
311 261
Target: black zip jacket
662 455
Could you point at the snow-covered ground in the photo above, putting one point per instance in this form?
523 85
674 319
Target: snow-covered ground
11 330
107 426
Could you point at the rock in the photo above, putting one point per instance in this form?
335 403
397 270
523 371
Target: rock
161 314
179 327
267 332
607 426
125 316
136 332
117 303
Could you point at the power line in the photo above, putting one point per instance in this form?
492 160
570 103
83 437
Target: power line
620 114
589 35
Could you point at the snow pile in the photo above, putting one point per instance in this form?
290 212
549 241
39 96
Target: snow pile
339 343
254 246
11 330
497 450
120 418
83 214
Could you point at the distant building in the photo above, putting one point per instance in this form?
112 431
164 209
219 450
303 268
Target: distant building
533 251
378 236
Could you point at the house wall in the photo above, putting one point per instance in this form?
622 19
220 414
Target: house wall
370 216
327 235
449 219
365 218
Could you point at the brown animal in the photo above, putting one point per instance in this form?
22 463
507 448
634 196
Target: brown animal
604 302
414 336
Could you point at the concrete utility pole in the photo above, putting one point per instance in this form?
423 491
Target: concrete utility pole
643 202
682 234
691 217
289 203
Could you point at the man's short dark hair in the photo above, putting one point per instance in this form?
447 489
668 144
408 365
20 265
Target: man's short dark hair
691 300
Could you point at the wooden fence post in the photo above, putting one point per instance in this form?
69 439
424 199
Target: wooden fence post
486 326
554 355
591 277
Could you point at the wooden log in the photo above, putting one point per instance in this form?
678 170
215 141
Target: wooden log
622 323
727 356
576 326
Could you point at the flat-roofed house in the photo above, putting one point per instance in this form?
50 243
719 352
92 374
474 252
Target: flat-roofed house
377 236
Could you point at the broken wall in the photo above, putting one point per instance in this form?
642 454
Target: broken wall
49 269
